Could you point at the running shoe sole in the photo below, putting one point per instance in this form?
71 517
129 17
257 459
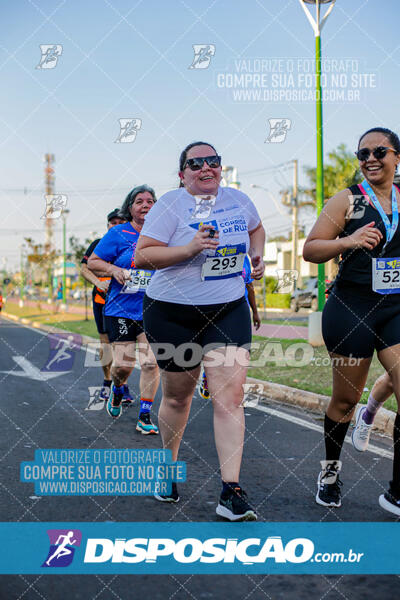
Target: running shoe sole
224 512
166 498
109 406
386 505
328 505
144 432
359 414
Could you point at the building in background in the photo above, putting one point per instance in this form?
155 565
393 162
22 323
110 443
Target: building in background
278 255
72 272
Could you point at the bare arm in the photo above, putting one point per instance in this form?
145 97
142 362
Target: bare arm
152 254
92 278
256 251
253 305
323 243
101 267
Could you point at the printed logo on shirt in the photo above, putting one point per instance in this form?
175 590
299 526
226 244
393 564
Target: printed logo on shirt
221 210
233 225
231 250
200 223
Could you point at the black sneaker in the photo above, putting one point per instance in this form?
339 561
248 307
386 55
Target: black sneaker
329 484
233 505
172 497
390 500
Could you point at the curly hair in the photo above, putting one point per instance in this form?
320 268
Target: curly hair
130 199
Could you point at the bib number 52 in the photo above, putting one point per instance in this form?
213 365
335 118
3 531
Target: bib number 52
391 277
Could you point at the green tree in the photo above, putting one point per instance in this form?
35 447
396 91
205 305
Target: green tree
78 249
340 171
40 259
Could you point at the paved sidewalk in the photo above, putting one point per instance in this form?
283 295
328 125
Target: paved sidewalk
289 332
71 308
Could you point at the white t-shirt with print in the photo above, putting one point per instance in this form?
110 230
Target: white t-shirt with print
174 220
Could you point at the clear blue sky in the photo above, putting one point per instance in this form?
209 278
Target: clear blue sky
125 59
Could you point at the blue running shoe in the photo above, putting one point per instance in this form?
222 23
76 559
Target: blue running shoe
113 405
127 399
145 425
105 393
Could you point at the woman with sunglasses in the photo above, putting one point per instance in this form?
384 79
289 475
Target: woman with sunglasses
362 313
196 238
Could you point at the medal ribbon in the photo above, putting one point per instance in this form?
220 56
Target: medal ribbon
389 227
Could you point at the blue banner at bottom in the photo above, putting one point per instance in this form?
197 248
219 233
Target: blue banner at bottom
200 548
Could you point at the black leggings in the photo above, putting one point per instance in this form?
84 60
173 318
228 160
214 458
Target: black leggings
180 334
355 322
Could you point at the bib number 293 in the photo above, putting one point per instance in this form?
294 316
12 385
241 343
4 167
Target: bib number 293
222 267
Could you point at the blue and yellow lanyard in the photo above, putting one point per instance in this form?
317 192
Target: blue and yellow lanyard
389 227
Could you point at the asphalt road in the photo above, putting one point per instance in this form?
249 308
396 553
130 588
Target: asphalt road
280 466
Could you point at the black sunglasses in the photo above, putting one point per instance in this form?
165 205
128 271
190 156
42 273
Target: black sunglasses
379 152
195 164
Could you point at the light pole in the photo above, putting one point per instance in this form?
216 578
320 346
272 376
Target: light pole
317 24
294 204
22 278
64 218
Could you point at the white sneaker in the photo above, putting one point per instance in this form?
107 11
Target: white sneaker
361 431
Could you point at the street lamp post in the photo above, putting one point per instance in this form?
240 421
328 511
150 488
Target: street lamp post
22 277
64 294
294 205
317 24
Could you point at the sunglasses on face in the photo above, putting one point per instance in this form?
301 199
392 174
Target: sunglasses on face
195 164
379 152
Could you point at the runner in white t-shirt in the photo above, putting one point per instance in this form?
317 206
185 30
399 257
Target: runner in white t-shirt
196 238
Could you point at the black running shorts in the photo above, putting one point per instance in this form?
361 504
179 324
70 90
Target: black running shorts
179 333
355 322
98 317
120 329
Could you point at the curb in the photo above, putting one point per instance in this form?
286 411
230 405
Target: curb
383 423
318 403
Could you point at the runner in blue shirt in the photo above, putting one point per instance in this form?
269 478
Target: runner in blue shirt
98 300
123 311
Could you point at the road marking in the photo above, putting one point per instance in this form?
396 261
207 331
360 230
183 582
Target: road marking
314 427
29 370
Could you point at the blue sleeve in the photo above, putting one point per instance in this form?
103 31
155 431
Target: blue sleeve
246 274
107 248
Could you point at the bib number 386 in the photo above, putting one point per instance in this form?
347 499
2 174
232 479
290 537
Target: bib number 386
138 282
222 267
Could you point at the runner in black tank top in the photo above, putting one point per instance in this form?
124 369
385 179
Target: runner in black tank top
362 313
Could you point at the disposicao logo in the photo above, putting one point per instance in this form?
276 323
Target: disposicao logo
62 547
191 550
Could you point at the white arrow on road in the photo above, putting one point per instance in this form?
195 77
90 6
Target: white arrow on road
29 370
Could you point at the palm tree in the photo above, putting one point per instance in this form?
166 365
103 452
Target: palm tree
340 172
